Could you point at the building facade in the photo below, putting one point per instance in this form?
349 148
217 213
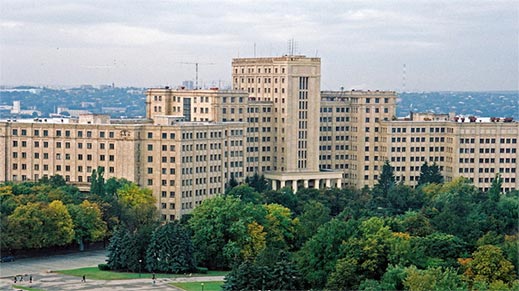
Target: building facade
276 122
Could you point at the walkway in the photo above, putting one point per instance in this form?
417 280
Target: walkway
45 279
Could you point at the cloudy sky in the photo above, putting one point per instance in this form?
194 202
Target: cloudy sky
363 44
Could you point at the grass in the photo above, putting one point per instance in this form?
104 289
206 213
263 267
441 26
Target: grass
26 288
196 286
95 274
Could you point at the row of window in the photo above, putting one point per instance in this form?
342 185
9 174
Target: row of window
488 140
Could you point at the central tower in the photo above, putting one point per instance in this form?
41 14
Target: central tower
292 84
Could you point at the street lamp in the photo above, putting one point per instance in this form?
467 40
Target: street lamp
140 261
202 286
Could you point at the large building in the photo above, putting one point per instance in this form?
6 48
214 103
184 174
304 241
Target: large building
276 122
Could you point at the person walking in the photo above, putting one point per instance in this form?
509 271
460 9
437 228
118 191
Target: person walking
84 279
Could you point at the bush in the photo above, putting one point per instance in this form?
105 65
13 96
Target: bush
201 270
103 267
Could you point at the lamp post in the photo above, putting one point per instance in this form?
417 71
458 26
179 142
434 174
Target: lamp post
202 286
140 261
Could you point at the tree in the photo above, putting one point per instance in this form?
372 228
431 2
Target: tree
440 249
283 274
36 225
57 181
430 174
285 197
344 276
370 249
257 241
434 279
221 230
489 265
245 193
130 195
137 206
280 227
97 183
170 250
278 272
58 224
246 276
318 256
115 249
314 215
386 179
88 223
232 183
495 189
258 182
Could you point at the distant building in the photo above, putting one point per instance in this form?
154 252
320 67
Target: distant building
189 85
71 112
16 110
275 122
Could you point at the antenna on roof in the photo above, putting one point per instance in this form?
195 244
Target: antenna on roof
403 78
292 47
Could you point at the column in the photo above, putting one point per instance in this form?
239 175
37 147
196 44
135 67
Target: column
327 183
294 186
274 185
305 183
339 183
282 182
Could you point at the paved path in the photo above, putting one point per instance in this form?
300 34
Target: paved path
57 262
45 279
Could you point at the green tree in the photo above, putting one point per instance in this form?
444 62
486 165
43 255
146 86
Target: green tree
318 256
36 225
88 223
130 195
245 193
258 182
434 279
285 197
115 249
245 276
278 272
57 181
97 183
495 189
386 179
430 174
58 224
283 274
344 276
220 230
440 249
489 265
170 250
370 249
232 183
280 227
314 215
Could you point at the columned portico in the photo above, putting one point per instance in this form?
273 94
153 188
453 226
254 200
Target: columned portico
316 179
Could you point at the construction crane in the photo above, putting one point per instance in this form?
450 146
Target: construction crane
196 70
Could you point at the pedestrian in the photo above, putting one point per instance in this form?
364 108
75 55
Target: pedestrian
14 280
84 279
30 279
153 277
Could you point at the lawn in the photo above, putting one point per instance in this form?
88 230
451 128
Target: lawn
26 288
197 286
96 274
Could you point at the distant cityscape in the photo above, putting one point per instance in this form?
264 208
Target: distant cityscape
118 102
